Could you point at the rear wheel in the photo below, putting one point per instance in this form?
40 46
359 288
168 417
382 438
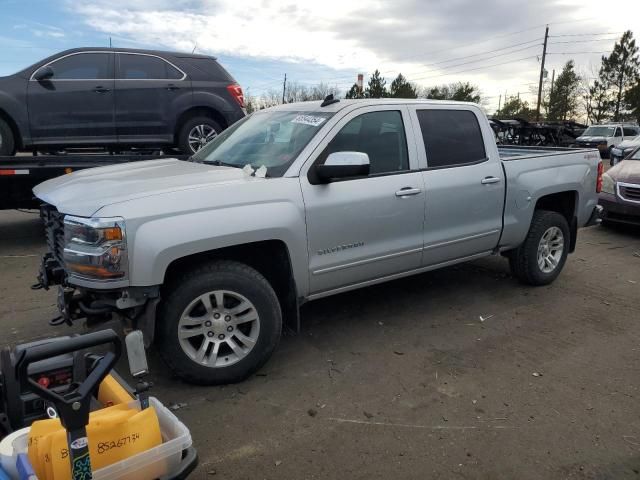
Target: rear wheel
541 257
219 323
7 142
196 133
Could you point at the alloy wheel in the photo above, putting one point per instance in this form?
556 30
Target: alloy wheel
200 135
219 328
550 249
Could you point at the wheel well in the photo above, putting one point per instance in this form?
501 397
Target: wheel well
269 257
198 111
565 204
14 128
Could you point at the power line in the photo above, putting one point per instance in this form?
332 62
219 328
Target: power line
585 41
585 34
577 53
478 68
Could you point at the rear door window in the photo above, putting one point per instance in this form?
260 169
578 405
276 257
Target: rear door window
451 138
630 132
82 66
145 67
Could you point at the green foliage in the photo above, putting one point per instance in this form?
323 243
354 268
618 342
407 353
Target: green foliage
563 99
377 86
460 91
516 108
620 70
354 92
632 101
401 88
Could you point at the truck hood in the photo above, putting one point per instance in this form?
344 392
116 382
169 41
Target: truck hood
626 171
84 192
591 139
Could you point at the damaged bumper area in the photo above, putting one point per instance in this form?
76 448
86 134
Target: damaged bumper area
88 299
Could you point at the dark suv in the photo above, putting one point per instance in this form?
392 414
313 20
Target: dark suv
117 98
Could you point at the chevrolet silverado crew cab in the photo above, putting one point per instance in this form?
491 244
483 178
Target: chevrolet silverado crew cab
211 257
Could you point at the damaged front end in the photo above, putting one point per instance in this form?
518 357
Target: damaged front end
87 260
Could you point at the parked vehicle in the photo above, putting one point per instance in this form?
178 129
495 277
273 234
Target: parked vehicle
623 149
213 257
606 137
620 195
117 98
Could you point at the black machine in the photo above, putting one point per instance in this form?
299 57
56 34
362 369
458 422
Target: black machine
61 377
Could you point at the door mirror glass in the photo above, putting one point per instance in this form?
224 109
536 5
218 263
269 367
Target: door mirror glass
136 354
343 165
44 73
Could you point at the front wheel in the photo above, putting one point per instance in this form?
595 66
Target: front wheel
542 255
219 323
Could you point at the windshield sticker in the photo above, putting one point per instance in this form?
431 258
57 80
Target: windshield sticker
309 120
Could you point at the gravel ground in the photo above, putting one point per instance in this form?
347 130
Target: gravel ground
458 373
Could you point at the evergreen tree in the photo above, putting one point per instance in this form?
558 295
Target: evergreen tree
563 99
632 101
354 92
621 69
460 91
377 86
401 88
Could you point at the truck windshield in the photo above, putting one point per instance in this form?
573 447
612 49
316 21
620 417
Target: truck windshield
598 132
272 139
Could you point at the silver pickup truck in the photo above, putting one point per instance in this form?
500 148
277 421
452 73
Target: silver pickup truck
212 257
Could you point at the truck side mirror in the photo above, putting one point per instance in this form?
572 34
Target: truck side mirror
343 165
43 73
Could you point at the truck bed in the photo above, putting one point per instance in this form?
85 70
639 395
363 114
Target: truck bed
515 152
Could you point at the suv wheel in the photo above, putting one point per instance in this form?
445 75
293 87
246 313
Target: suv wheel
7 142
542 255
219 323
196 133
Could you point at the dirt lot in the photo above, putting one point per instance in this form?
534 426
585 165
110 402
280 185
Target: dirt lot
405 380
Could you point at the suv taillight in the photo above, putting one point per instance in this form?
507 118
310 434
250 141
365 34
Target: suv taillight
236 92
599 180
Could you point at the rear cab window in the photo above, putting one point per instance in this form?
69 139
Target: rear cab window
451 138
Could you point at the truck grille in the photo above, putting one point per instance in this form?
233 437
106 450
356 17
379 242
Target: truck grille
629 191
54 231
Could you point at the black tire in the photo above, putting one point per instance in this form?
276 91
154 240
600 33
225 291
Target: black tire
524 259
185 129
7 142
219 275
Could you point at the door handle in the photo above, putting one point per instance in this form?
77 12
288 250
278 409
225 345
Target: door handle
490 180
407 191
171 86
101 89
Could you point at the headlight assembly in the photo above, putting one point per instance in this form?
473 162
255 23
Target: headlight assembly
95 248
608 185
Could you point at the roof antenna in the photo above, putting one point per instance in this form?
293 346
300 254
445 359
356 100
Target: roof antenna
328 100
195 45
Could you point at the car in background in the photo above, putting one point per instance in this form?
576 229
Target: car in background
606 137
117 99
625 148
620 194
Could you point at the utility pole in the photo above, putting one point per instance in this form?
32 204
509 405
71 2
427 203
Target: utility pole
110 42
544 57
284 87
499 103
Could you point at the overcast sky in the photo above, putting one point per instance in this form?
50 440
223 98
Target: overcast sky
495 44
